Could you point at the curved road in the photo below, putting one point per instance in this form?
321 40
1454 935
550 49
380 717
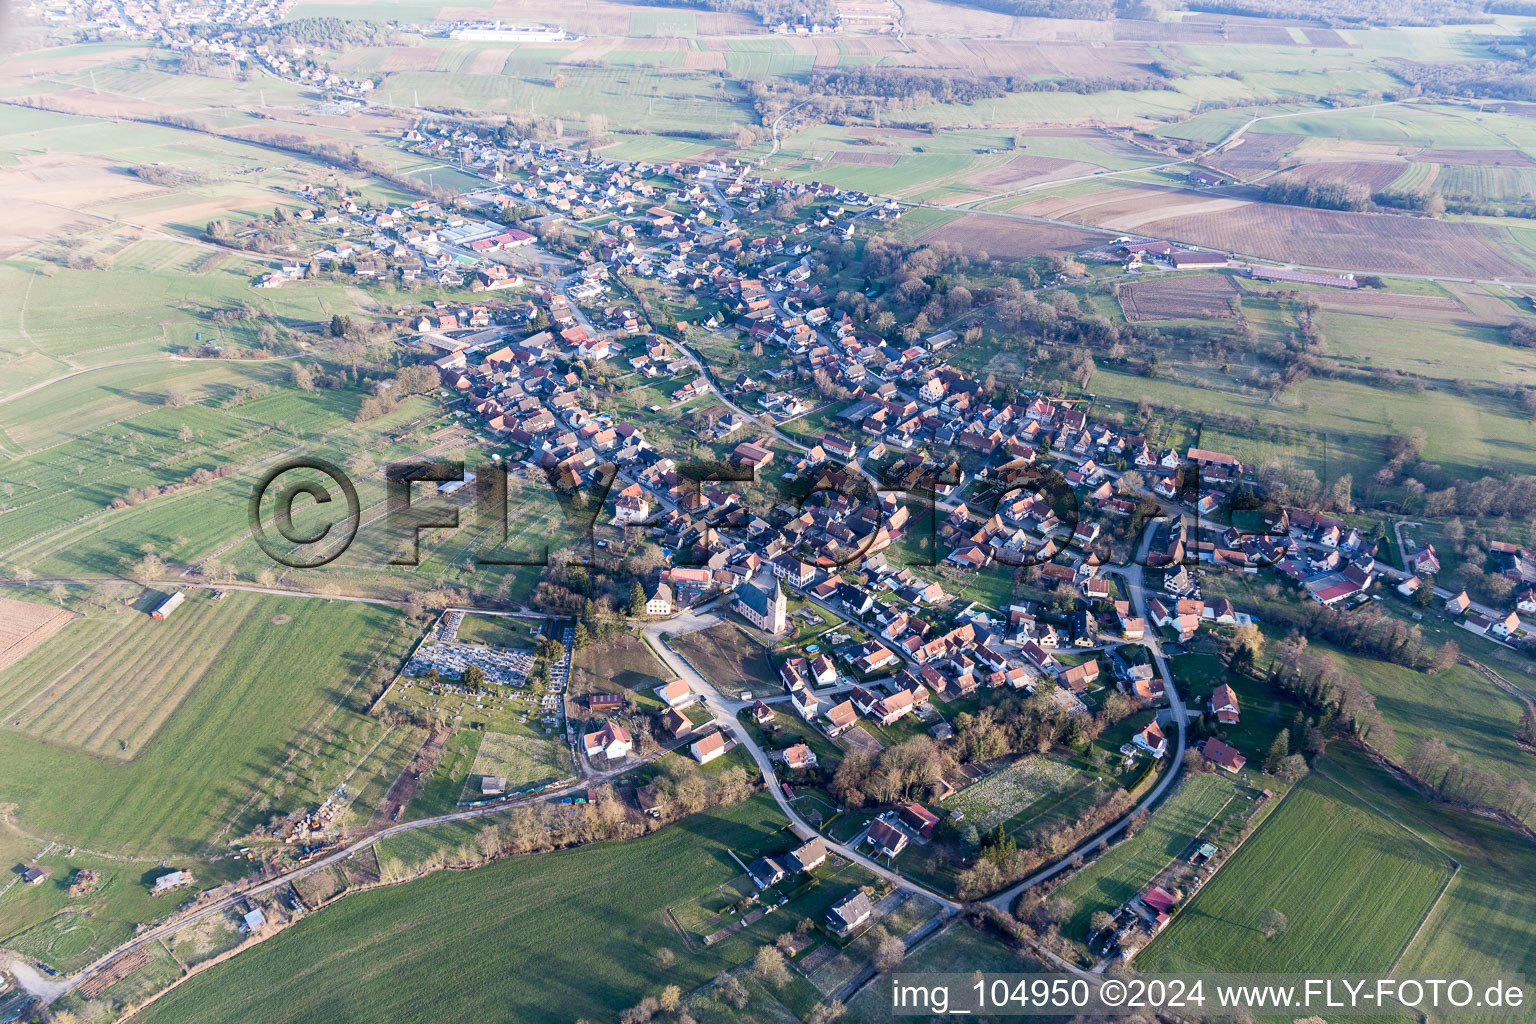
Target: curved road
1133 575
219 906
725 710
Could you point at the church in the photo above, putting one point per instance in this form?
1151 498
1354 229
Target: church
761 602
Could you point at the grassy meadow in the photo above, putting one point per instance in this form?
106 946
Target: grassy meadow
578 929
1353 884
190 731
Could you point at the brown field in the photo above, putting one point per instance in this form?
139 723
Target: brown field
872 46
1349 241
655 44
931 17
1208 29
486 62
81 180
1207 297
1517 109
1476 157
591 49
725 23
24 625
728 657
119 679
588 17
21 65
113 972
851 156
1119 60
1373 174
411 58
1254 154
1488 309
1027 170
1011 239
1428 308
1021 56
80 100
704 60
1127 208
859 738
827 53
1324 37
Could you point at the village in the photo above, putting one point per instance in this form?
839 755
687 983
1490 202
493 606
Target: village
1116 533
866 511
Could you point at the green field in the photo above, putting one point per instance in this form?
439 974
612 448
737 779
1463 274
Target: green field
1353 885
958 949
1116 876
271 722
577 929
523 758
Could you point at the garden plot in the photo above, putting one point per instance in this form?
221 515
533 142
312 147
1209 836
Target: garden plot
1001 795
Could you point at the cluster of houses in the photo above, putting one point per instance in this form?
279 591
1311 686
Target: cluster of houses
409 242
170 22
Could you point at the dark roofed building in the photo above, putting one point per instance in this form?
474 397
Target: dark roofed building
765 871
762 603
849 912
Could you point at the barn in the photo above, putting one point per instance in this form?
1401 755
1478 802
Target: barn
170 604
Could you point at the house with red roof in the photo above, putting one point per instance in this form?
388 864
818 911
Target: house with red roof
612 741
921 819
1152 740
1223 756
887 839
1224 705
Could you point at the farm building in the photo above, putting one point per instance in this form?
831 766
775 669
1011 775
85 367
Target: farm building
35 875
1196 260
170 604
1301 277
172 880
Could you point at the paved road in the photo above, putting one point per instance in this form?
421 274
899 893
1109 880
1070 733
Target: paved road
1133 577
58 988
725 710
